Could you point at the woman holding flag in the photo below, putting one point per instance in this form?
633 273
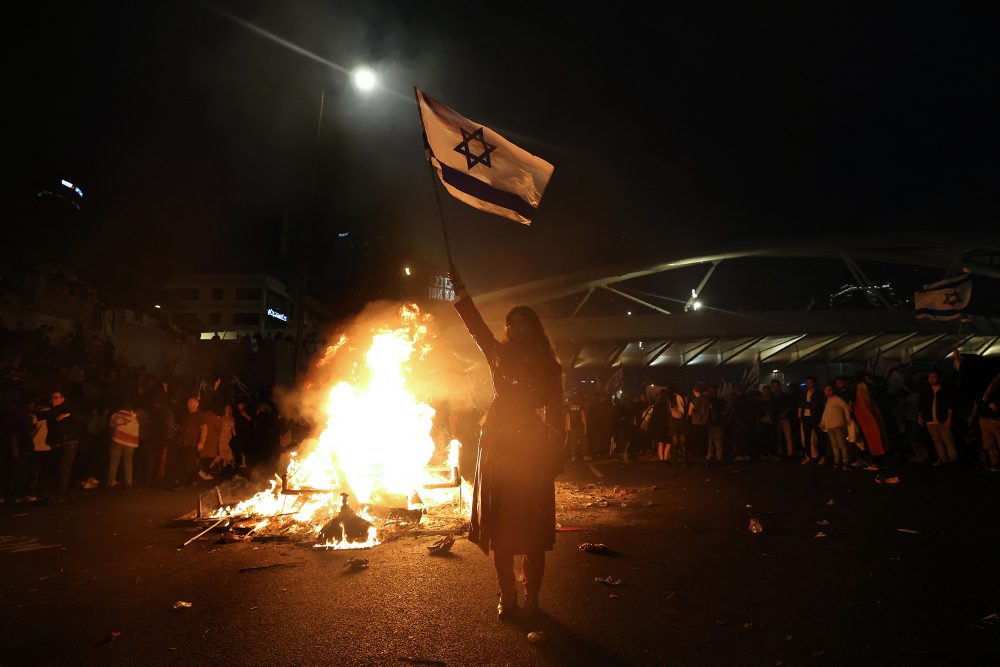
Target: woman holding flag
520 450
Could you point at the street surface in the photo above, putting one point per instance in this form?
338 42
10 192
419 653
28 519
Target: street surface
95 580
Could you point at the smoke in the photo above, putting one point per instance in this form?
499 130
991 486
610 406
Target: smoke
433 373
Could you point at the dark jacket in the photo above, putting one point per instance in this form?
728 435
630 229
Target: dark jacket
814 405
945 402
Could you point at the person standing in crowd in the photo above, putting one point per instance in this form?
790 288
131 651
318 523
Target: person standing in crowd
698 413
267 445
124 441
810 410
576 430
243 436
782 406
659 425
910 399
716 422
520 451
767 432
600 419
194 433
209 450
742 421
936 413
161 439
64 435
836 417
869 419
678 423
988 411
227 429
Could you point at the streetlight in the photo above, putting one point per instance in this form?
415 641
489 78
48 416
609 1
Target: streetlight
364 79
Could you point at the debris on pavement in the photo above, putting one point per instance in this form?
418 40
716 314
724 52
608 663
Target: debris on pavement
269 567
755 526
822 522
356 564
423 661
442 546
595 548
908 531
819 533
180 604
537 637
613 596
608 581
830 502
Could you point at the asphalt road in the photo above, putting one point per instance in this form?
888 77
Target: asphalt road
698 587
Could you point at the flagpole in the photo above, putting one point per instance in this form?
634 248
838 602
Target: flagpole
434 187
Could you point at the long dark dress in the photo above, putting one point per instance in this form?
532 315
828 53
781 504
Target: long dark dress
520 449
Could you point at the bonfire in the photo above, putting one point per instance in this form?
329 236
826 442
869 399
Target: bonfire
366 475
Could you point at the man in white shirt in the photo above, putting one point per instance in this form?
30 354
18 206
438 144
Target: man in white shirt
836 417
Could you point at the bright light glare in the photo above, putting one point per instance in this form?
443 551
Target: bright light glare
629 312
364 79
696 305
406 270
157 306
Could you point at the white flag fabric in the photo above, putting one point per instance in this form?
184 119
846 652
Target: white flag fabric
479 167
944 300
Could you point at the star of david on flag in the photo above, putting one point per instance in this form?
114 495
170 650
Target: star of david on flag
479 167
944 300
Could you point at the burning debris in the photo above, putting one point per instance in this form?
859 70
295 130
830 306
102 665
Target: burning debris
374 446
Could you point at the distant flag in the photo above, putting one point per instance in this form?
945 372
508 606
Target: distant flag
751 375
479 167
944 300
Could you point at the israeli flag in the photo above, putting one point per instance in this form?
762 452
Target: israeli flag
479 167
943 300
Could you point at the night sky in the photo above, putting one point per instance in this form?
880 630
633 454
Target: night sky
679 131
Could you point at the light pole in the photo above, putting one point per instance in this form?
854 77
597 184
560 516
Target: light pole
364 80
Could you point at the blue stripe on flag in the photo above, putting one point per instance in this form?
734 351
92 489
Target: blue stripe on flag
474 187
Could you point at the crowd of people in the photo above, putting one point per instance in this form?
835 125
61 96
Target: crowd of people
863 421
73 416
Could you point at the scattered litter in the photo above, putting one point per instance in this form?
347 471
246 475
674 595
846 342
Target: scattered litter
114 635
537 637
895 558
789 638
442 546
269 567
908 531
830 502
646 489
672 593
613 596
819 533
990 619
356 564
818 653
252 608
594 548
180 604
748 626
822 522
423 661
755 526
608 581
